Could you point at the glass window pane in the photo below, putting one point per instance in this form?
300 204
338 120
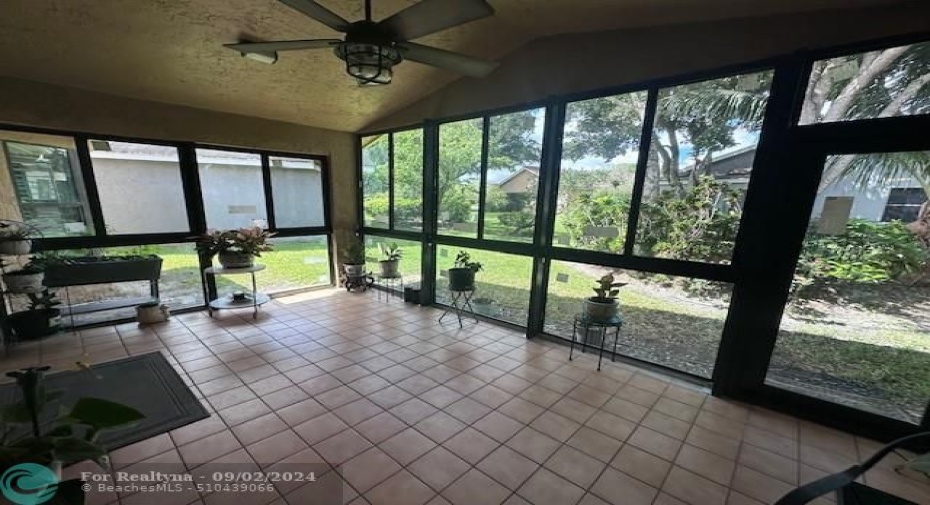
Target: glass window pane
884 83
375 175
41 184
410 263
295 262
233 188
700 160
297 191
854 331
408 180
133 179
670 321
514 151
179 287
502 288
598 168
459 177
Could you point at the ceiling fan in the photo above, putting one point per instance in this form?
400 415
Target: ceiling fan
371 49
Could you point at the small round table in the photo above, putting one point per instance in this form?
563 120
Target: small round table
389 283
255 299
461 303
598 329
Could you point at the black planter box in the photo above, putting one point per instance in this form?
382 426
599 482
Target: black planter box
412 295
102 270
31 324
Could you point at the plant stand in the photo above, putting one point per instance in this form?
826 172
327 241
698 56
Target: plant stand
461 303
389 285
359 282
600 329
254 300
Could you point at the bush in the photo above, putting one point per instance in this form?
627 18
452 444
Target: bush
518 223
457 202
496 200
700 225
604 208
868 252
405 209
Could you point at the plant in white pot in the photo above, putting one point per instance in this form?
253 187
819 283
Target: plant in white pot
390 258
235 248
462 273
15 239
25 280
604 306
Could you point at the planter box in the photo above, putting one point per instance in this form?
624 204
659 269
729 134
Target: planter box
102 270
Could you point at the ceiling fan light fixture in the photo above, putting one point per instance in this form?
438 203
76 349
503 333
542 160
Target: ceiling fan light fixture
369 64
267 58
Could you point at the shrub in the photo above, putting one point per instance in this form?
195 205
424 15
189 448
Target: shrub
604 208
699 225
457 202
868 252
518 223
405 209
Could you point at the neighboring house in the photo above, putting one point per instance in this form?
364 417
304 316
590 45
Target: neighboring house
521 181
901 199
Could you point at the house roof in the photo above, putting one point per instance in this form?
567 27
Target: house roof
531 170
721 170
171 51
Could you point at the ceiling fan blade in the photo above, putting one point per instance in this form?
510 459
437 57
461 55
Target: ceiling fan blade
281 45
318 12
446 59
431 16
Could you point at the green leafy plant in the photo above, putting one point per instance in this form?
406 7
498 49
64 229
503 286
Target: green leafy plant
518 223
70 437
42 301
390 252
607 288
252 241
354 252
867 252
463 260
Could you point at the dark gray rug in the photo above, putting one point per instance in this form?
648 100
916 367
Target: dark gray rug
146 383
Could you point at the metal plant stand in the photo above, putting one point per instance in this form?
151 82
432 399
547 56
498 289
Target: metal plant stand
389 284
255 299
461 303
597 331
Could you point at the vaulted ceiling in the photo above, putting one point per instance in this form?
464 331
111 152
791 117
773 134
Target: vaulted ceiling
171 50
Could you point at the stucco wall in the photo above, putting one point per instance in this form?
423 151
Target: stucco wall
591 61
35 104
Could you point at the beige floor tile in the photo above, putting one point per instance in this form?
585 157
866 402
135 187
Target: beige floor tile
342 447
507 467
640 464
320 428
471 445
769 463
498 426
758 485
556 426
473 488
368 469
402 487
357 411
438 468
440 427
276 447
618 488
652 441
611 425
694 489
666 424
533 444
576 466
467 410
381 427
595 444
547 488
407 446
706 464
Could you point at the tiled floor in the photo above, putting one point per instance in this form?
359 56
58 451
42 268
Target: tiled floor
415 412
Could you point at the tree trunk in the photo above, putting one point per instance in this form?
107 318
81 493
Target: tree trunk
874 64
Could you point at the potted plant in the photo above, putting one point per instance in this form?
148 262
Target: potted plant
391 255
40 320
353 258
14 239
603 306
34 444
462 273
235 248
151 313
25 280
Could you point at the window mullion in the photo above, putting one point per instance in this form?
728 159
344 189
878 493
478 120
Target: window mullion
642 163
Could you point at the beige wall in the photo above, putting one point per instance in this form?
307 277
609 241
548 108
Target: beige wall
591 61
42 105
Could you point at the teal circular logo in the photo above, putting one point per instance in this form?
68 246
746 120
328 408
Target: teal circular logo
28 484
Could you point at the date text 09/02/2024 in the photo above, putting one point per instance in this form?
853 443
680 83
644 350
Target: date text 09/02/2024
154 477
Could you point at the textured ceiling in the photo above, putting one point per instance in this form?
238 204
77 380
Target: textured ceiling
170 50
